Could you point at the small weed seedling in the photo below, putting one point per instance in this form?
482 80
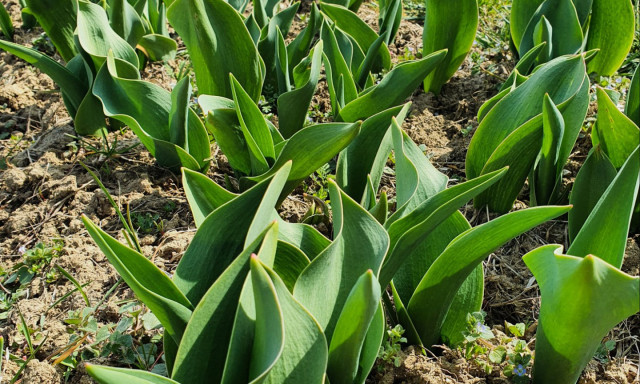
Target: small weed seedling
391 347
490 351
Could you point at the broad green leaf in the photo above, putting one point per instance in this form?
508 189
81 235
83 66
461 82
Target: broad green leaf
208 332
367 154
543 33
253 350
268 341
221 237
582 300
218 43
611 30
152 286
546 176
299 47
70 85
632 108
410 231
311 148
409 275
58 19
147 108
363 73
157 47
125 21
448 25
394 88
561 78
567 33
360 244
518 152
294 105
355 27
521 13
342 87
254 129
179 115
614 131
417 179
432 299
605 231
592 180
112 375
6 25
224 126
268 46
304 356
390 19
98 39
203 194
351 329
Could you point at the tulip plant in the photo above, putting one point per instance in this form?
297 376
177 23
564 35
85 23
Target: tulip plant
448 25
531 127
571 26
571 327
83 34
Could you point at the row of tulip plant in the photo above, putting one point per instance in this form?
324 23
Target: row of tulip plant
258 299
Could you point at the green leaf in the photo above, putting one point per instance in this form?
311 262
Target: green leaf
222 235
410 231
611 30
254 129
367 154
203 194
592 180
208 333
125 21
351 329
58 19
521 12
311 148
582 300
362 33
299 47
567 34
546 175
432 299
340 81
294 105
632 108
157 47
112 375
360 244
394 88
218 43
448 25
561 78
147 109
612 212
469 297
6 25
616 133
98 39
150 284
304 356
389 19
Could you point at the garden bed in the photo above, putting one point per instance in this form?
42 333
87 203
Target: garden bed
44 190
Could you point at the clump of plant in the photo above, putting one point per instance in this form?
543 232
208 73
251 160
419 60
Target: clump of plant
569 27
392 347
530 126
83 34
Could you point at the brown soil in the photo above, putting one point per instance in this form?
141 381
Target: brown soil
44 191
